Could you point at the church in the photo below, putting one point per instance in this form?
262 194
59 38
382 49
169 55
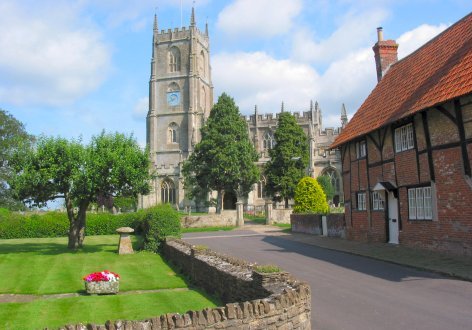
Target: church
180 100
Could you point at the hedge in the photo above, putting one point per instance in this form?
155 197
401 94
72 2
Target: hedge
56 224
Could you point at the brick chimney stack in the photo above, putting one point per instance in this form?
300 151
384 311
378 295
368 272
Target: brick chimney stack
385 54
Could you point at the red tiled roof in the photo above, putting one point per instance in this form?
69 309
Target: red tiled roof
439 71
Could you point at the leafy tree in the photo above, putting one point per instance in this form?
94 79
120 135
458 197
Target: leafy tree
309 197
289 159
125 203
13 136
224 158
112 164
325 183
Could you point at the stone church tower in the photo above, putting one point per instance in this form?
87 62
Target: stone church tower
180 99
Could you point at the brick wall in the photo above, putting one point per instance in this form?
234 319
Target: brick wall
252 300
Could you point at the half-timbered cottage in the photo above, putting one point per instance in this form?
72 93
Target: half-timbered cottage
407 151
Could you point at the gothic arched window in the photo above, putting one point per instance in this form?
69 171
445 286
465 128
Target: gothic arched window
168 191
334 177
173 87
174 59
261 187
202 64
173 133
268 141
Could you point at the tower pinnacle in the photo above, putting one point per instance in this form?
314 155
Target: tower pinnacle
155 23
192 17
343 116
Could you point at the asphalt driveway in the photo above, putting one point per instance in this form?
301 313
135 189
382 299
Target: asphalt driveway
353 292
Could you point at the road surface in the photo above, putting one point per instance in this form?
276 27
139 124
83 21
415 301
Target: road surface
353 292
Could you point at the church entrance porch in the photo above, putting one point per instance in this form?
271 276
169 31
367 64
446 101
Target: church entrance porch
229 200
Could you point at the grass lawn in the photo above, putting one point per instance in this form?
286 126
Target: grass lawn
46 266
55 313
283 225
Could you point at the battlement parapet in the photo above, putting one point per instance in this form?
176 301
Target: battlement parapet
179 33
329 131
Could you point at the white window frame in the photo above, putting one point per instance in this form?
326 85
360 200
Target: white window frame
361 201
404 138
361 149
420 203
378 203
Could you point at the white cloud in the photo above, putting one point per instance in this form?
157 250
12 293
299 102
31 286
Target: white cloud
352 33
412 40
258 79
46 57
140 109
261 18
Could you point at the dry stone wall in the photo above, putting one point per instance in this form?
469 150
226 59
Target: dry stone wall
226 218
251 300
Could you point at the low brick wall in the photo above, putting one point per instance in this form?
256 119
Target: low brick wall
311 224
252 300
226 218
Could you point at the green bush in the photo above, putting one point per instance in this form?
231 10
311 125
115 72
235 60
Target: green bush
48 224
107 223
56 224
309 197
159 222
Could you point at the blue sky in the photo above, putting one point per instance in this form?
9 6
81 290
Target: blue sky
72 68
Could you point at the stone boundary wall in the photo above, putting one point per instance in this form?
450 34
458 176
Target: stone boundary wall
312 224
252 300
226 218
281 216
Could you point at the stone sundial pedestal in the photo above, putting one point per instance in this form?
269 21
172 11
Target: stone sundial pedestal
125 246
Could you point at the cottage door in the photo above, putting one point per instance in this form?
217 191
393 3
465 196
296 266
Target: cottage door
392 218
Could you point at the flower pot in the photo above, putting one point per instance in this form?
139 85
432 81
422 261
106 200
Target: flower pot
102 287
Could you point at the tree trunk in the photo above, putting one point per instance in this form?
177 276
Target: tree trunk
219 201
76 224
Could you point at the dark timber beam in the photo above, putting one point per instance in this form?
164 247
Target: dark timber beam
424 117
377 145
460 127
447 114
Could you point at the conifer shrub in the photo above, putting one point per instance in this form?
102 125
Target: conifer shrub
159 222
309 197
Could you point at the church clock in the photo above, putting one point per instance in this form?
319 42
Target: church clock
173 98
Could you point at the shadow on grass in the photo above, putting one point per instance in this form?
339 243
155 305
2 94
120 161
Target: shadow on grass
53 248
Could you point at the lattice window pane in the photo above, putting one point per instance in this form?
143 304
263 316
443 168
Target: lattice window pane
410 140
412 203
428 207
419 203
